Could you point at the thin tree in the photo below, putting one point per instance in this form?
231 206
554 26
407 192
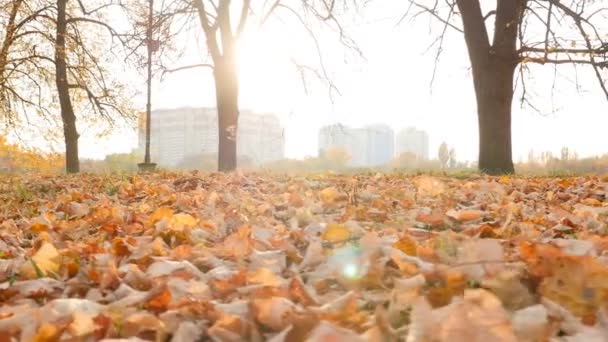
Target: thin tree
452 157
523 31
70 132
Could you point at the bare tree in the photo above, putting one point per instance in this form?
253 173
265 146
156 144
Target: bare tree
523 31
222 30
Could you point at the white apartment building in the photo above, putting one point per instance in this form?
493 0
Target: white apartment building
414 141
368 146
177 134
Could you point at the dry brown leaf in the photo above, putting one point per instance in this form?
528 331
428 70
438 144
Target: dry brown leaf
275 312
264 277
464 215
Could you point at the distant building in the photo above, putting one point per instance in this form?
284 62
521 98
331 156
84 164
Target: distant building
261 138
414 141
381 144
178 134
368 146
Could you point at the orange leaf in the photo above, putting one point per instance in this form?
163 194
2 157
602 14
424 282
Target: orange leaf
464 215
433 219
159 214
442 286
299 294
119 247
160 302
47 333
38 227
407 245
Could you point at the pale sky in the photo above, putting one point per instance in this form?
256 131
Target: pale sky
392 86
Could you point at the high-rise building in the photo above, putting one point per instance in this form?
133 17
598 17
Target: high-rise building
414 141
261 138
368 146
381 144
178 134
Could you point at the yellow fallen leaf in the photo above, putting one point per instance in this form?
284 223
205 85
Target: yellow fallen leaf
82 324
336 233
504 180
265 277
45 261
181 221
592 202
159 214
329 195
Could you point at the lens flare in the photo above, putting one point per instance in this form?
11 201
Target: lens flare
351 271
348 263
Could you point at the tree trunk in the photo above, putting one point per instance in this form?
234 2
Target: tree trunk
493 70
494 93
68 118
227 98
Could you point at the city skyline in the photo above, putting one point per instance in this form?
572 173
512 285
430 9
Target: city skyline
181 134
372 145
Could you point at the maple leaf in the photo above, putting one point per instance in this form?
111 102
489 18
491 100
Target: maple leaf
44 262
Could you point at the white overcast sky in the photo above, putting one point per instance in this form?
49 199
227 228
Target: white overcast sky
392 86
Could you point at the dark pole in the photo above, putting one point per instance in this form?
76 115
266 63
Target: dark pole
147 165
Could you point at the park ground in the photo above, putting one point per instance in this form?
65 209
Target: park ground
258 256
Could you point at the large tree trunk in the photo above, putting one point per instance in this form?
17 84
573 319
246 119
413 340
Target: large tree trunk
493 68
70 132
227 97
494 93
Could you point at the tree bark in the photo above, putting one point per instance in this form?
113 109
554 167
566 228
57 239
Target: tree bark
493 68
227 98
494 93
68 118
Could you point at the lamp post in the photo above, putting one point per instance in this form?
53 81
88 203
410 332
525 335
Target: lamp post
147 165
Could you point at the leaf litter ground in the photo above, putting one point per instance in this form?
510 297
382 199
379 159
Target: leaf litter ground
255 257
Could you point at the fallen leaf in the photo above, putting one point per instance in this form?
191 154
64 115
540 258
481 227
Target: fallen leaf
329 195
464 215
264 277
44 262
336 233
274 313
